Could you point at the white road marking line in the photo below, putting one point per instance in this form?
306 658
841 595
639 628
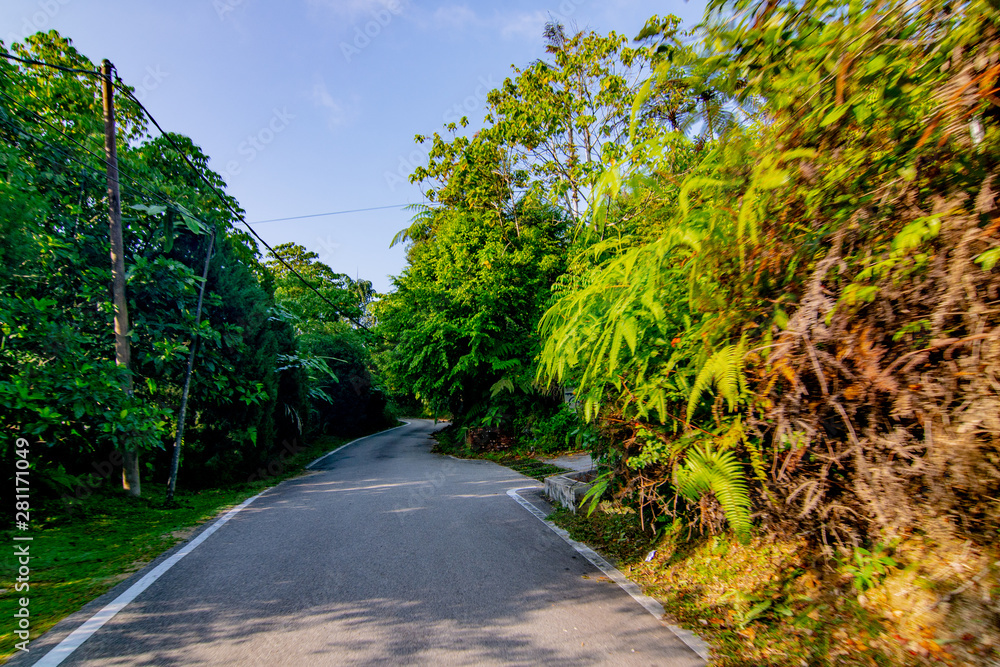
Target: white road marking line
693 641
94 623
331 453
82 633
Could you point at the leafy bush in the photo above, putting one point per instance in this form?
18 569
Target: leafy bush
563 430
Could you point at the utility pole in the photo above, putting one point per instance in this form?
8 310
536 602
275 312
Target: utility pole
123 354
176 457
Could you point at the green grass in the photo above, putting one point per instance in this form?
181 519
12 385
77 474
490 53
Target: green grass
619 536
743 599
79 553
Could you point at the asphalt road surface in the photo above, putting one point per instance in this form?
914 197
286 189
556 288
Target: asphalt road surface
385 554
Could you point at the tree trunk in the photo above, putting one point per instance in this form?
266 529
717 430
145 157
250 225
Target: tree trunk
130 472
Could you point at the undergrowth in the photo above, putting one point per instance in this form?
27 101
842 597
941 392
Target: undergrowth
779 602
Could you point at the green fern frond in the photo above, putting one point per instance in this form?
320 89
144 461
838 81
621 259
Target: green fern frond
720 473
724 369
736 435
501 385
596 492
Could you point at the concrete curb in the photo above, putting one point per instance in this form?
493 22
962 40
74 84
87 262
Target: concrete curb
691 640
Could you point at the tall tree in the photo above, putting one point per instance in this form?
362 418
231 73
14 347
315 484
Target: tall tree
56 369
459 328
547 128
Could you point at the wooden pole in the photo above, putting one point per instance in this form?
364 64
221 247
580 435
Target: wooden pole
123 354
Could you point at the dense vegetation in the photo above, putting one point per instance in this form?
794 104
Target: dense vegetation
752 267
274 363
774 286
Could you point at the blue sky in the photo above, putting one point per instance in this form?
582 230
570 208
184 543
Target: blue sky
309 106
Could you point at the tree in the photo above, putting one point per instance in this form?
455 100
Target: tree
459 328
547 129
332 350
792 307
58 379
57 376
305 304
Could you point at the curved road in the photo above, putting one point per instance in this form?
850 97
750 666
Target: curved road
384 554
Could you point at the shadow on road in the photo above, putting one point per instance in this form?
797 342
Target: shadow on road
389 555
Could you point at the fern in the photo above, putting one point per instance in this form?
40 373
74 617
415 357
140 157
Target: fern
421 225
737 435
503 384
720 473
596 492
724 369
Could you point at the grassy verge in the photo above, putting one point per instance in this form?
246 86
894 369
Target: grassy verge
79 553
763 603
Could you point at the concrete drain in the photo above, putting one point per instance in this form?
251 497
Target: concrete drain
569 489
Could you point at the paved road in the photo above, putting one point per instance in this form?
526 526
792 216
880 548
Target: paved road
386 555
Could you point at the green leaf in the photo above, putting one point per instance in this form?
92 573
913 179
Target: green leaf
192 223
754 612
629 330
835 115
988 259
151 210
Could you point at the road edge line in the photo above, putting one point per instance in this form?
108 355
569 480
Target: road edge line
62 650
348 444
84 631
690 639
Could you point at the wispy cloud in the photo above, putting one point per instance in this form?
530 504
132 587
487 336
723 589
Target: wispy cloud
523 25
337 112
357 8
455 17
508 25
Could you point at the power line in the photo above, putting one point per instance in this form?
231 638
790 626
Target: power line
133 185
135 181
144 188
225 202
320 215
239 216
29 61
98 174
58 149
